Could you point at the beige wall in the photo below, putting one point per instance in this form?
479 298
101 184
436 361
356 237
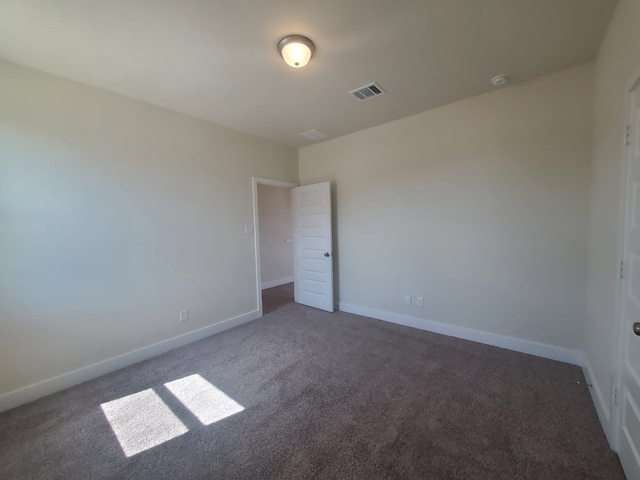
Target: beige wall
617 65
480 206
114 216
276 255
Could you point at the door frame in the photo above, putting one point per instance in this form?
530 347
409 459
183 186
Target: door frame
255 181
615 424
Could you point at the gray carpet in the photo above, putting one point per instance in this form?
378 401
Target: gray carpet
327 396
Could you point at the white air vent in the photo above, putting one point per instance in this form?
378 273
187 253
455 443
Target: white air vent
314 135
367 92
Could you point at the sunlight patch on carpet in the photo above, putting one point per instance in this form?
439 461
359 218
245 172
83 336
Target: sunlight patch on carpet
205 401
142 421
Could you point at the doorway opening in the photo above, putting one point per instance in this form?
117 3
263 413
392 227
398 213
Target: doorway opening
273 223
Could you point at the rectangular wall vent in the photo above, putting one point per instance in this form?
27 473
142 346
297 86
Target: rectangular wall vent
367 92
313 134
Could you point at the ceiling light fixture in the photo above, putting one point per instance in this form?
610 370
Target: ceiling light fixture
296 50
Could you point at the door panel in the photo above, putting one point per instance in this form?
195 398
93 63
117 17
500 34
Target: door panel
629 430
313 245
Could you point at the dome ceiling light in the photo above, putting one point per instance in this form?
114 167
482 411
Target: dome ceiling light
296 50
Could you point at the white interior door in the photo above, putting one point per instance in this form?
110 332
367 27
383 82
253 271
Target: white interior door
313 276
629 394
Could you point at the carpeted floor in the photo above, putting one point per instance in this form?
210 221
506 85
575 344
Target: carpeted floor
327 396
275 298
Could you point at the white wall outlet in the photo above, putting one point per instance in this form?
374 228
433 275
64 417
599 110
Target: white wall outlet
248 229
184 315
420 301
407 299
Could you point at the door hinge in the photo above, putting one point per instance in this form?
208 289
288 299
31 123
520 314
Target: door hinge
627 129
622 269
615 395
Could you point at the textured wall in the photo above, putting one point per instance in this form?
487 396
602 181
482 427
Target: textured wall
617 67
276 219
114 216
481 207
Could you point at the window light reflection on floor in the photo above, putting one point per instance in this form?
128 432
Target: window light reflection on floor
205 401
141 421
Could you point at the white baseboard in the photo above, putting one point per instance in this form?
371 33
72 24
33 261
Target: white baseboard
276 283
66 380
552 352
604 415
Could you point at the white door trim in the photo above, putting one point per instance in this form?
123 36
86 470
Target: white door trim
255 181
615 425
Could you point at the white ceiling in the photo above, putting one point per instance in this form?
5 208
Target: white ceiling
217 59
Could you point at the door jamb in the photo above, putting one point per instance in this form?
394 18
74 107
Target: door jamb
256 229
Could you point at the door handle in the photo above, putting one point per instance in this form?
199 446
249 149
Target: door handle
636 328
327 254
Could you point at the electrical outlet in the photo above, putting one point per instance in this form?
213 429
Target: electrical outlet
184 315
407 299
420 301
248 229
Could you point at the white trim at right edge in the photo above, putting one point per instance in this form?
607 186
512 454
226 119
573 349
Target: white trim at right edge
602 410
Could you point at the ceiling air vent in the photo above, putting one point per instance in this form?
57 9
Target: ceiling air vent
314 135
367 92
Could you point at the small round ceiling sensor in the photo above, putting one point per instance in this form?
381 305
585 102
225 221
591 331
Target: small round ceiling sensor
500 80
